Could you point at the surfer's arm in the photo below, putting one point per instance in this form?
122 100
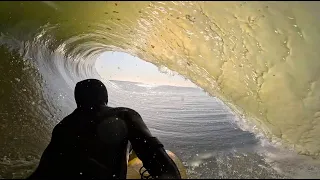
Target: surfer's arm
44 168
48 165
149 149
155 159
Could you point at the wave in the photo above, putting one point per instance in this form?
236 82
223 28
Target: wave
260 58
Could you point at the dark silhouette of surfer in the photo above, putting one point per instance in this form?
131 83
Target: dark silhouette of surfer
92 142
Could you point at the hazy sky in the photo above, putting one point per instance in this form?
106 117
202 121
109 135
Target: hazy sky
122 66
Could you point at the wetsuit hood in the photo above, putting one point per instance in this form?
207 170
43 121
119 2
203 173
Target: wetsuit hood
90 93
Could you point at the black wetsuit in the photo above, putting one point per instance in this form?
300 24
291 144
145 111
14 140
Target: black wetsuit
91 142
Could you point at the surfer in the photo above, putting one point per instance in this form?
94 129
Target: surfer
92 142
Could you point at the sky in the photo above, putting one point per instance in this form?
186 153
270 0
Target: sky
125 67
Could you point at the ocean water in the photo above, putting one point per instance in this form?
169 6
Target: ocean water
199 128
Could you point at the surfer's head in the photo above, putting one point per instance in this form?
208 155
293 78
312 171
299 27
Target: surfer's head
90 93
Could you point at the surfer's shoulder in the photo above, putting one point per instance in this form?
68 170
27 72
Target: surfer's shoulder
126 110
63 123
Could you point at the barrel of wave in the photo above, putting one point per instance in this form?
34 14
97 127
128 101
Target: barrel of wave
135 164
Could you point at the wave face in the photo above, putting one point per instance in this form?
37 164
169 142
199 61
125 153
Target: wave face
261 58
